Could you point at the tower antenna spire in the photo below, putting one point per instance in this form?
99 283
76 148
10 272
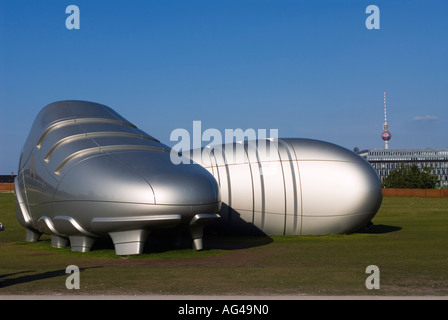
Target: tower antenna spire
386 134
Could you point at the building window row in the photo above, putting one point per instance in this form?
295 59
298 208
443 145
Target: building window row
408 153
437 167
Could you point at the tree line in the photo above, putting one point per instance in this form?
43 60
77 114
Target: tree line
411 177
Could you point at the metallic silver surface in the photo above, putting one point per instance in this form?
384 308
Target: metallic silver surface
292 187
197 227
59 242
129 242
85 172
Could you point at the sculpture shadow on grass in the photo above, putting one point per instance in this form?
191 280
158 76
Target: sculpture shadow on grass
379 229
231 232
5 281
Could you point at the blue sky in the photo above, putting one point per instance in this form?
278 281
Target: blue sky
307 68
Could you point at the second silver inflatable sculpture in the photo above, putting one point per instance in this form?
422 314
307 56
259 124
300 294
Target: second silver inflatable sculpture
292 187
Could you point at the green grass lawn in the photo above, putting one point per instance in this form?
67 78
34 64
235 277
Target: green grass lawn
409 244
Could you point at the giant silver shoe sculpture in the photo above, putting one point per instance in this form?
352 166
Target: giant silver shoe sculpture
86 172
291 187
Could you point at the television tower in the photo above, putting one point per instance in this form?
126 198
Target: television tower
386 134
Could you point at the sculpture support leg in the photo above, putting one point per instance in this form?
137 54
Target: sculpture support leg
32 235
197 227
58 242
129 242
81 243
197 232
